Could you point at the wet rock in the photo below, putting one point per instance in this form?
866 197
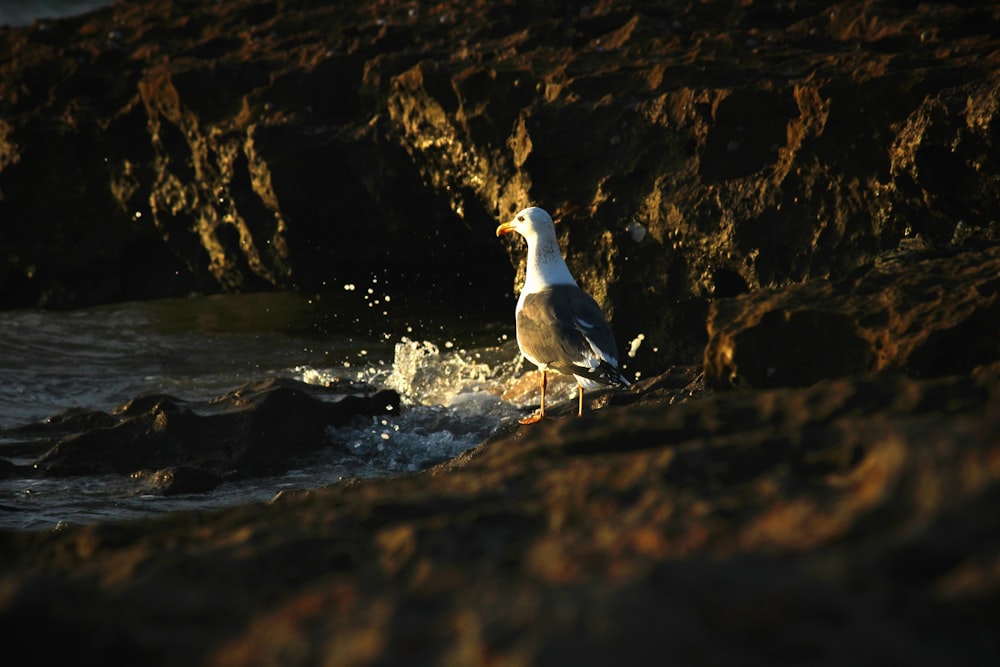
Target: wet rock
8 469
252 430
66 421
32 440
179 479
849 521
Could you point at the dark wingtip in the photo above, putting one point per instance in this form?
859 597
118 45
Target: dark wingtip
613 376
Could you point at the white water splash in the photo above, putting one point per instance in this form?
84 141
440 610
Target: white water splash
451 402
634 344
424 375
197 349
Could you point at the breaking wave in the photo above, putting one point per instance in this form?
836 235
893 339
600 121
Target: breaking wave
452 400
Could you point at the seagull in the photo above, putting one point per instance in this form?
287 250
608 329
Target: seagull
559 326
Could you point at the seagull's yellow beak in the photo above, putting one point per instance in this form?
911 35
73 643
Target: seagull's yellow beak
506 228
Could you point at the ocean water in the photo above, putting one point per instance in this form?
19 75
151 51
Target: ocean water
451 376
23 12
450 373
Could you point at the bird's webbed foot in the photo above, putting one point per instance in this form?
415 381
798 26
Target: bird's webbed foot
532 419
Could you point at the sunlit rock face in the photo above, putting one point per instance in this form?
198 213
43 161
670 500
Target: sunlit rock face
687 152
926 313
797 201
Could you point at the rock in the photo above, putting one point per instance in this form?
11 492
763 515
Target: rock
179 479
67 421
848 521
815 181
255 429
8 469
928 313
239 145
197 156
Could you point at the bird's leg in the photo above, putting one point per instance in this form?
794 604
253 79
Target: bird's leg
540 415
579 390
545 382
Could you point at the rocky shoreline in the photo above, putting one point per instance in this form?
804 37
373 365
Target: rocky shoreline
850 521
690 152
794 203
180 446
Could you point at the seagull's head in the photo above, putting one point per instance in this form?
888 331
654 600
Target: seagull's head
531 223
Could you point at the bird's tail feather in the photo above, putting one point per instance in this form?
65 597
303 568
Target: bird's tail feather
614 376
604 374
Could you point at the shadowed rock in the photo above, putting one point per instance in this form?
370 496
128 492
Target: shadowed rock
689 151
179 479
255 429
850 521
816 181
927 313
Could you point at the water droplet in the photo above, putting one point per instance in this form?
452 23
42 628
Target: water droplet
636 230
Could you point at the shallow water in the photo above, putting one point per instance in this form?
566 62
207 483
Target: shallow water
23 12
450 374
199 348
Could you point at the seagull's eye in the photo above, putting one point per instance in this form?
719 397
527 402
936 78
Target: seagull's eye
520 218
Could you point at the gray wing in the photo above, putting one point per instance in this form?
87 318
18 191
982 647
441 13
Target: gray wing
564 328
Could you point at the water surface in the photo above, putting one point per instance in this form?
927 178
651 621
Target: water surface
23 12
450 376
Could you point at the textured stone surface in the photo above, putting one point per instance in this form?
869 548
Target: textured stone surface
850 521
796 200
925 313
690 151
255 429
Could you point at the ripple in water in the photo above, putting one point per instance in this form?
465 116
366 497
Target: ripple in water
98 358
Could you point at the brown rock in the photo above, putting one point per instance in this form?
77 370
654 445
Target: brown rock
927 313
690 152
755 163
254 429
179 479
850 521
